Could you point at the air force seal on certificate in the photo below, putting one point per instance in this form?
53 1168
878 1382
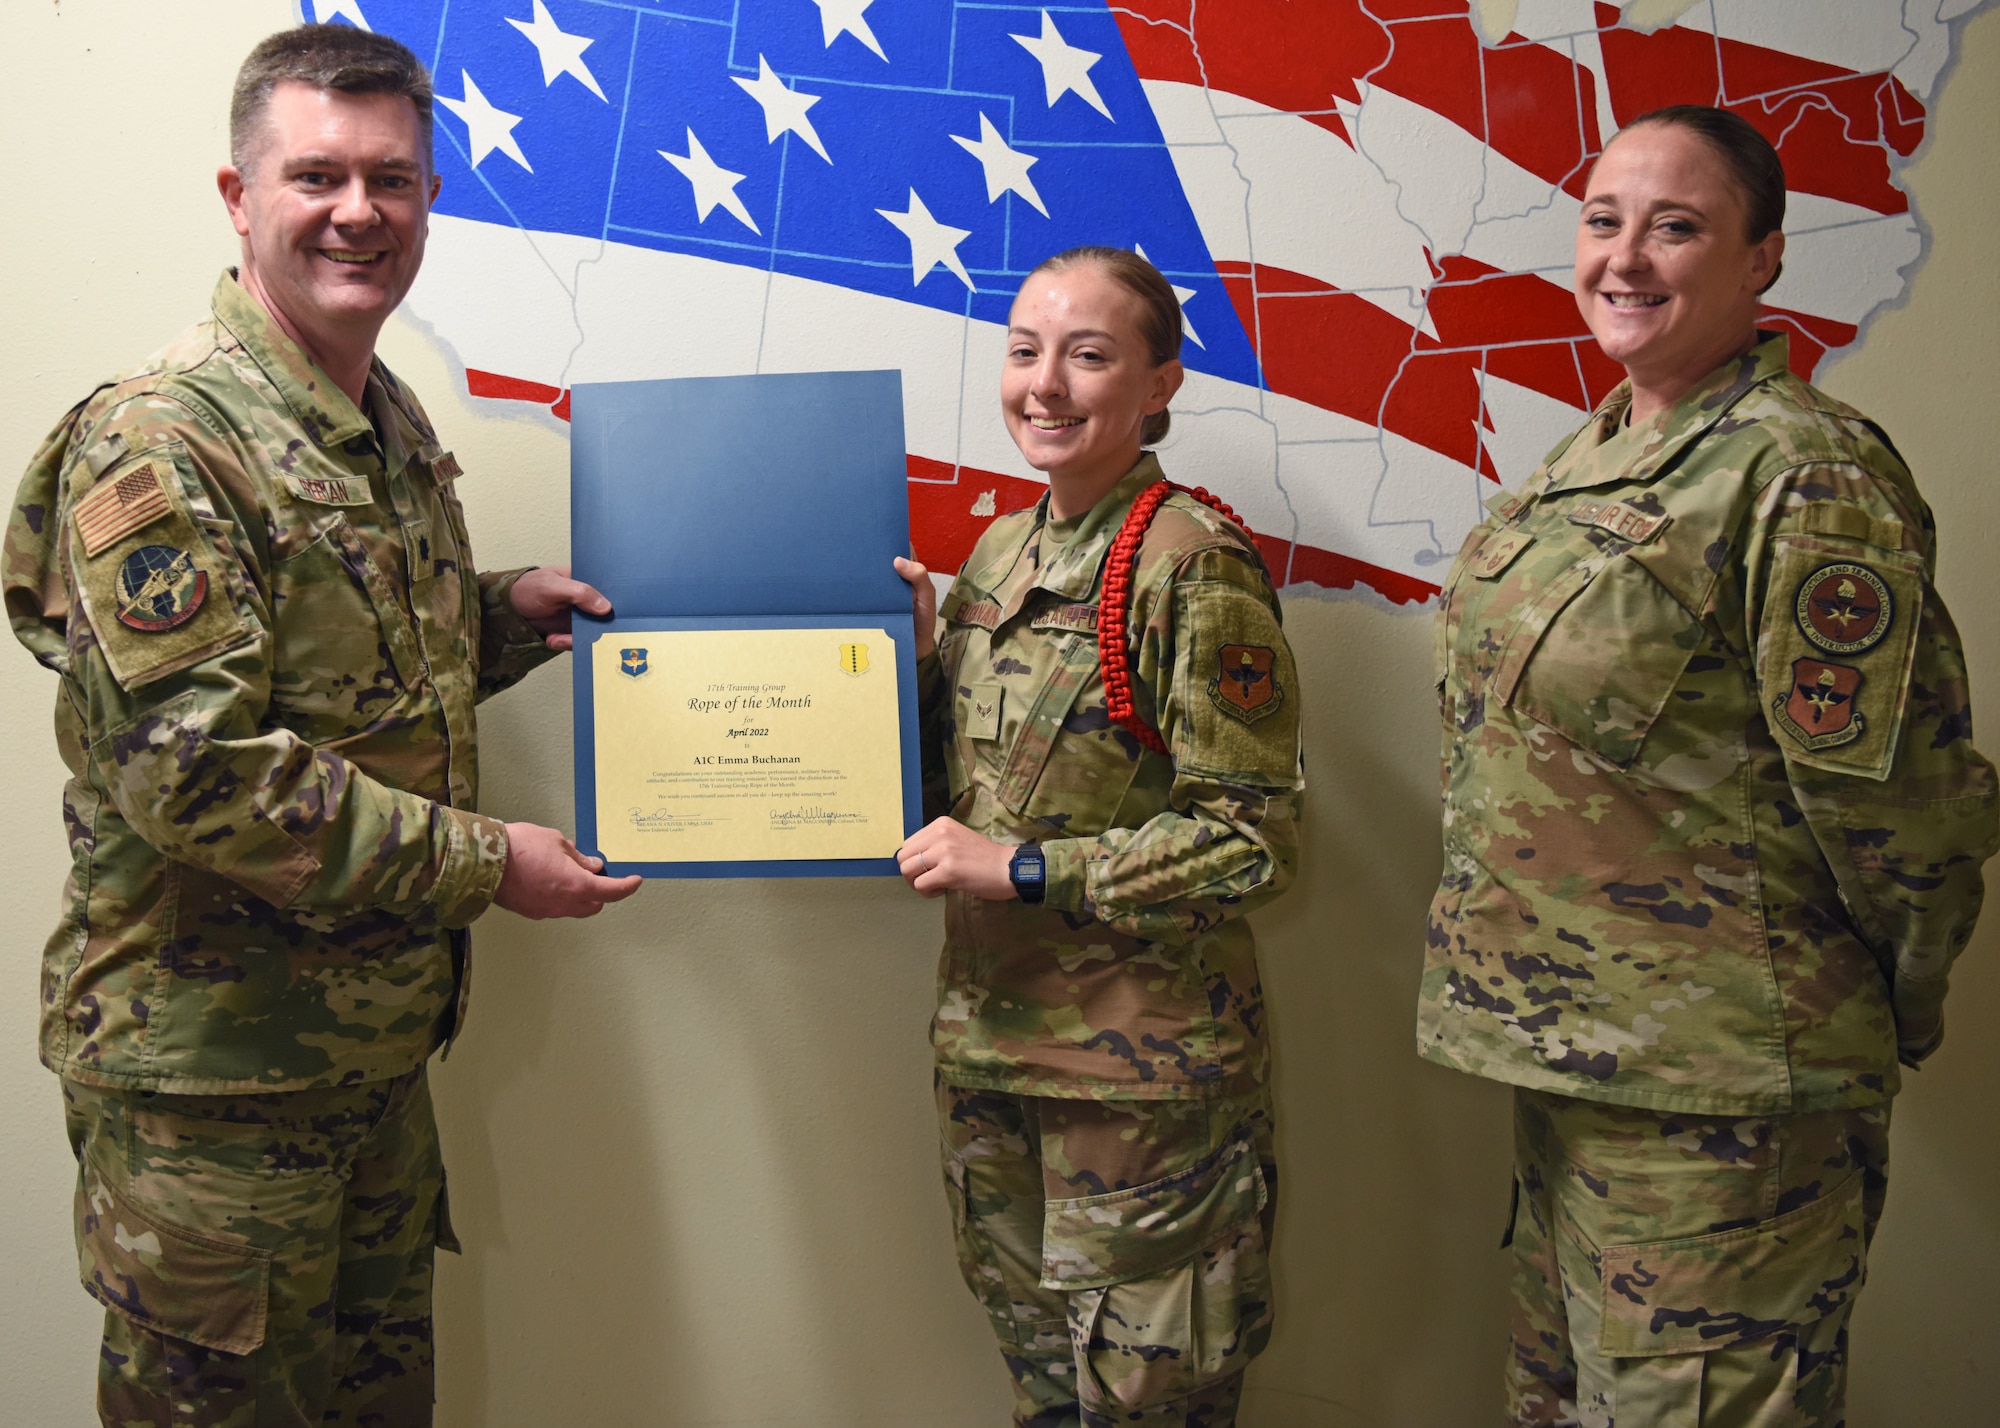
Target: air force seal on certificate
632 662
854 658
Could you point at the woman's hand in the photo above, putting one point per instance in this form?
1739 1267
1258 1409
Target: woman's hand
923 606
945 854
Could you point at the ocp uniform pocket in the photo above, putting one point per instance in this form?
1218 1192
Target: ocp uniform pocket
166 1279
1602 660
1169 1282
1717 1291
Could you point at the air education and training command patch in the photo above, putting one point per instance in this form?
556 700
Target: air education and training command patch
1819 711
1845 608
1246 683
159 588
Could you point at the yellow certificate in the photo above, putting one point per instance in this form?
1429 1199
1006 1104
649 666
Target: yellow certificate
746 745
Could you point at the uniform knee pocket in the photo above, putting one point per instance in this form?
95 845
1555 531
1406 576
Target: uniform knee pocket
1705 1292
1168 1282
167 1279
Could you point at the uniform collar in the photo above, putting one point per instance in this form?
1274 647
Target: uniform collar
321 409
1687 419
1071 572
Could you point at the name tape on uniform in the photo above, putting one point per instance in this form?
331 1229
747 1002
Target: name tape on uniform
1621 520
331 490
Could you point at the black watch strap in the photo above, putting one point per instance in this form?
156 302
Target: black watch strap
1028 871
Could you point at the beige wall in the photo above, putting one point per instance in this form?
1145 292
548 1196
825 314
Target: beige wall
690 1142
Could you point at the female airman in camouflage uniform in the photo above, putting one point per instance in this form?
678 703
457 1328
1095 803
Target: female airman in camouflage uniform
1713 825
1112 727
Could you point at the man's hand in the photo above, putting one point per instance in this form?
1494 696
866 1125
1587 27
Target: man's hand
923 603
545 596
945 854
547 877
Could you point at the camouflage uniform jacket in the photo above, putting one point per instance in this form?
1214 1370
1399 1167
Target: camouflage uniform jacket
261 603
1137 978
1713 821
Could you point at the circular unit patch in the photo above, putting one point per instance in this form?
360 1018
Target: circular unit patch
1845 608
159 588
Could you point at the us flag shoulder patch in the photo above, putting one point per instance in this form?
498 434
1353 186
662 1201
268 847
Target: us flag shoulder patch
117 507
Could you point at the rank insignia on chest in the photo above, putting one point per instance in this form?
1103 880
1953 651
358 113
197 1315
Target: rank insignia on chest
1845 608
1246 683
632 662
159 588
1819 711
854 659
1498 553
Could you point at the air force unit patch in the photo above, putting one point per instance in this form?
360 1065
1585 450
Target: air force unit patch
1246 684
1845 608
159 588
1819 709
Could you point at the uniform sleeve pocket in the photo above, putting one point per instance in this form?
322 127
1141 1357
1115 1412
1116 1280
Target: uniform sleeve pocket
189 1286
1688 1296
1169 1282
1598 662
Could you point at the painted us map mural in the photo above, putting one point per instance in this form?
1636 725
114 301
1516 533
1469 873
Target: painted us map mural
1367 208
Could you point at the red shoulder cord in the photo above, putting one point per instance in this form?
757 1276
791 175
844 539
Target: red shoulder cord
1114 606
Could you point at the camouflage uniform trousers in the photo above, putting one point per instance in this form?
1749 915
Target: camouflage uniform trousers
1687 1270
1119 1248
264 1260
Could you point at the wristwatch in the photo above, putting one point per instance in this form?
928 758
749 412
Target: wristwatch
1028 871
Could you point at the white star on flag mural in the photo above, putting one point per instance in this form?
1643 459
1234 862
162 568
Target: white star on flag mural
713 184
932 244
784 109
1181 296
838 17
486 128
350 10
1065 68
1006 169
560 53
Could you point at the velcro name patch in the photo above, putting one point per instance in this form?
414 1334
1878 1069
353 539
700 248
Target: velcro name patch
1066 617
115 508
1619 519
983 613
331 490
446 468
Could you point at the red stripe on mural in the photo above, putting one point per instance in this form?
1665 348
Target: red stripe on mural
1831 125
1299 56
1294 55
951 507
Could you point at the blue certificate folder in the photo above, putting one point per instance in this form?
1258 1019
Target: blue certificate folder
763 502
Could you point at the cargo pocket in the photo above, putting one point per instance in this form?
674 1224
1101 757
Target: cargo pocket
168 1280
1169 1285
1705 1292
1598 657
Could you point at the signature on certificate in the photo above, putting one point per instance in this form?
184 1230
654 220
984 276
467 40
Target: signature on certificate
812 814
665 820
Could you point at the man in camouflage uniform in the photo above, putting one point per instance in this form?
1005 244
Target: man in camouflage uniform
247 562
1713 834
1101 1056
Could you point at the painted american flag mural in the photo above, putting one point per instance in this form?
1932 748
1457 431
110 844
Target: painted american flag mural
1366 206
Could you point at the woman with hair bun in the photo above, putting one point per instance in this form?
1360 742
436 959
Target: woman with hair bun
1713 825
1112 767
